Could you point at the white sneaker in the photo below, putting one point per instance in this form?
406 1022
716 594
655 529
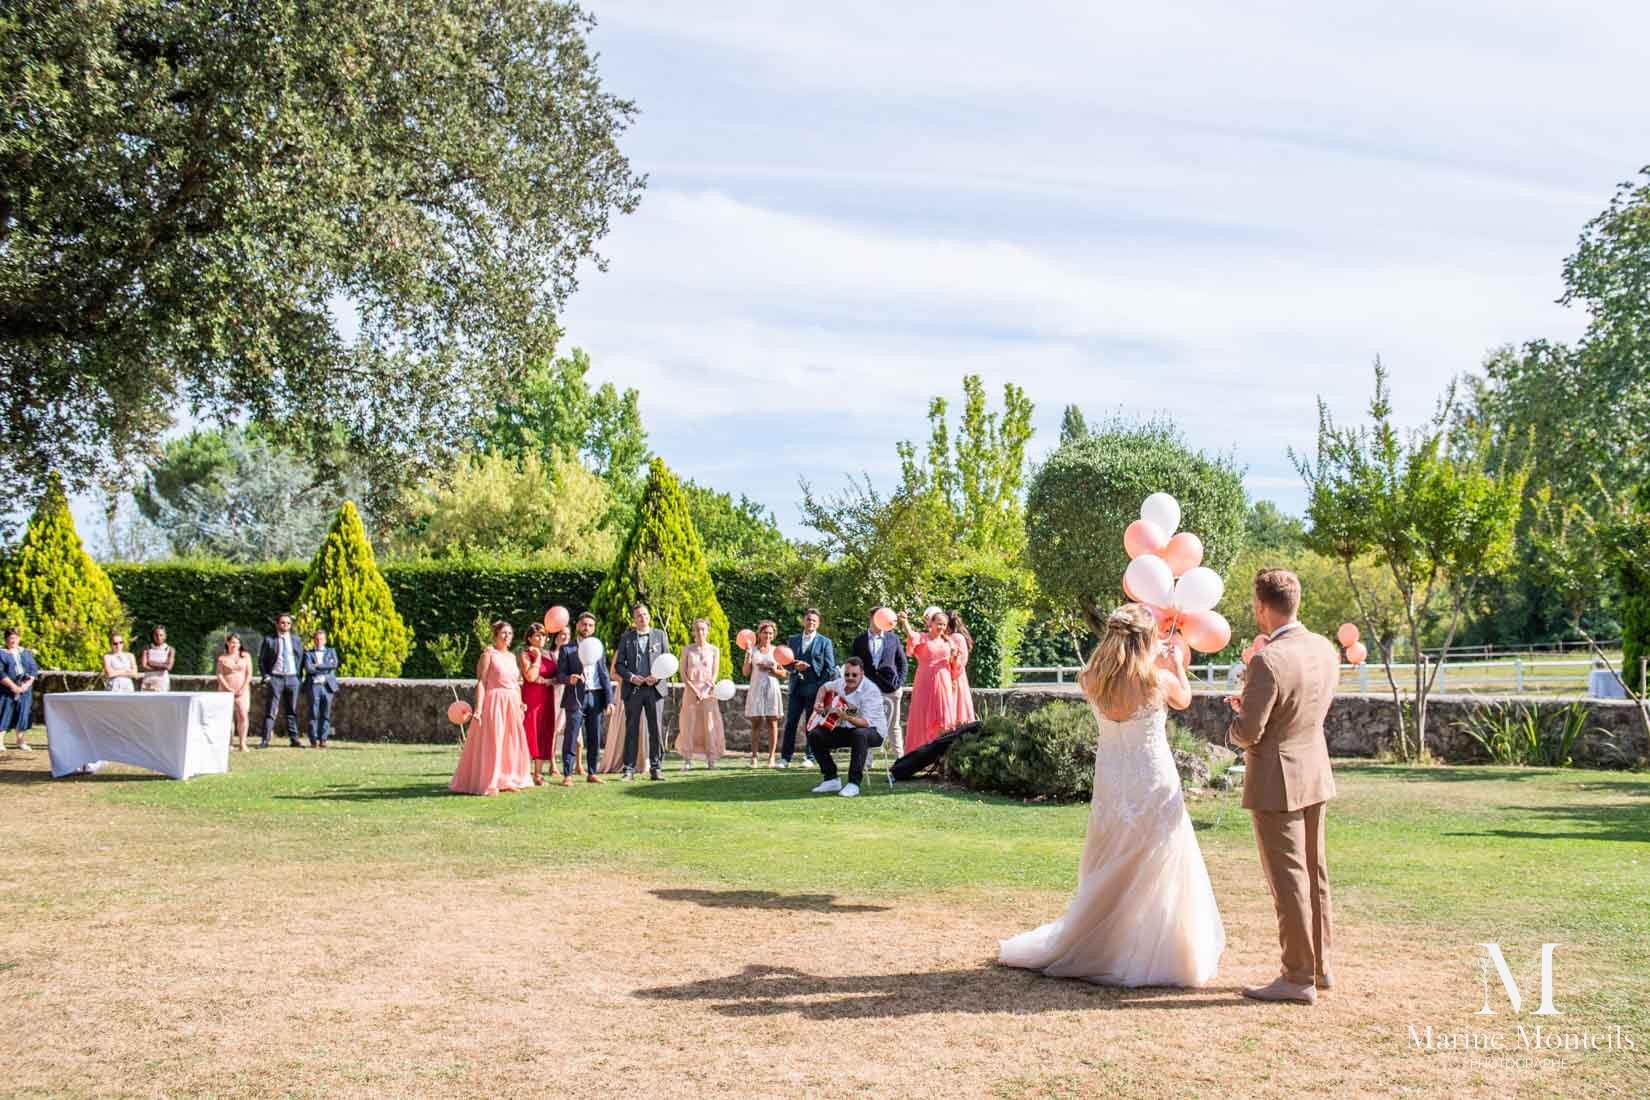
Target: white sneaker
850 791
23 746
687 765
784 763
831 786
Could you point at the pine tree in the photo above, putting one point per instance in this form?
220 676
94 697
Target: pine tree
53 591
662 564
346 596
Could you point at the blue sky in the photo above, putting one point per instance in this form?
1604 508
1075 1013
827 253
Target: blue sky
1222 211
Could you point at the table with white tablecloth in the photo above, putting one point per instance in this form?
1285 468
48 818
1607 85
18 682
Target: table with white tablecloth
177 733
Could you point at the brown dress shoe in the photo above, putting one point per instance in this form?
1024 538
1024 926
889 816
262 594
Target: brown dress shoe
1282 989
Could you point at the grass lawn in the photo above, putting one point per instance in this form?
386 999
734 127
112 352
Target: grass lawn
707 934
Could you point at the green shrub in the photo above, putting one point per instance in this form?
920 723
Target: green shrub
53 591
347 597
1522 735
1048 755
662 563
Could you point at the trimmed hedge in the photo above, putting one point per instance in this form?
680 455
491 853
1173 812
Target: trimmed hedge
193 599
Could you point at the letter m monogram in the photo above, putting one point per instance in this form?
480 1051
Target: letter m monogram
1501 968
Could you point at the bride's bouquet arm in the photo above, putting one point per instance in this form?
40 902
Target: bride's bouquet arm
1171 676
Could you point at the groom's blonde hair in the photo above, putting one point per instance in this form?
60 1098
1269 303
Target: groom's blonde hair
1121 675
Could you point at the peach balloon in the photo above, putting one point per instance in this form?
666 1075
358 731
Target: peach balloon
1184 552
1248 653
783 656
555 620
1347 635
1261 642
1206 631
1144 537
883 619
458 712
1356 653
745 639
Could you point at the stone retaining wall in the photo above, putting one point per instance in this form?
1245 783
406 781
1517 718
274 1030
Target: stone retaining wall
415 711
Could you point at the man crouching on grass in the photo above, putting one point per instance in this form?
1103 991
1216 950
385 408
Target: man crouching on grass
847 714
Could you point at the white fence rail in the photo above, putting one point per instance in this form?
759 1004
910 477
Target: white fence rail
1503 676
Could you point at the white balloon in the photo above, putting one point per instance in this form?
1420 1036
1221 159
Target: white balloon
590 652
725 690
1163 510
1199 589
665 665
1150 579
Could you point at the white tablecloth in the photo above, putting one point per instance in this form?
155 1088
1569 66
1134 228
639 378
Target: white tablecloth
177 733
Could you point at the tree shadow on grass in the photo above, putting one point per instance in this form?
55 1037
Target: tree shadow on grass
1608 822
766 899
14 777
733 786
776 991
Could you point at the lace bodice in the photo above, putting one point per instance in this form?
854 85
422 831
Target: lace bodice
1133 768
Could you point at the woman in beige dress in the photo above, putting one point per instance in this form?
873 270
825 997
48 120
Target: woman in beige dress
235 677
157 662
764 704
613 745
699 720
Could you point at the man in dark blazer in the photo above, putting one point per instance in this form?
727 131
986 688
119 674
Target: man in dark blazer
585 695
814 667
320 685
883 655
281 661
639 690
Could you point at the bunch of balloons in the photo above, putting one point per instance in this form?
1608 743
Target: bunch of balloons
1356 652
1167 574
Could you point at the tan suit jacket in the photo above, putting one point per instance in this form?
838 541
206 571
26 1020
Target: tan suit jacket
1286 694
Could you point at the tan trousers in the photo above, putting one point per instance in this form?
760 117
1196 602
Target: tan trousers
1293 859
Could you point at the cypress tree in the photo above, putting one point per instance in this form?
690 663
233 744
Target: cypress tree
53 591
1629 542
346 596
662 564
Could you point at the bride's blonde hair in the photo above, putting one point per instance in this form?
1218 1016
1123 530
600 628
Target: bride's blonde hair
1121 676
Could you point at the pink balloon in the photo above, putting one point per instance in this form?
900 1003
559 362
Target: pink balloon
1356 653
745 639
1248 653
555 620
1261 642
1144 537
1206 631
783 656
1167 618
883 619
1347 635
458 712
1184 552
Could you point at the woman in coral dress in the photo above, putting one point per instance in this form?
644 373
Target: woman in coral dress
542 698
699 720
934 695
962 647
495 752
235 677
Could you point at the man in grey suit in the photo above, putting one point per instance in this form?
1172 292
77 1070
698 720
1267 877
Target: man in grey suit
639 690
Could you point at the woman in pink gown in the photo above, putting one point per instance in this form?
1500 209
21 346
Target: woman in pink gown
934 695
962 647
495 752
540 695
699 718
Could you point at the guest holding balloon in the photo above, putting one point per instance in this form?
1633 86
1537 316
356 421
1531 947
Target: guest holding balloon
699 720
883 656
934 695
538 694
763 705
962 646
495 753
586 691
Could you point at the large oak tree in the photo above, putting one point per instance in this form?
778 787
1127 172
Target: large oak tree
305 212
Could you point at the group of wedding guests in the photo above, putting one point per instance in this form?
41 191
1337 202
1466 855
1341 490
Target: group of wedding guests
535 708
288 670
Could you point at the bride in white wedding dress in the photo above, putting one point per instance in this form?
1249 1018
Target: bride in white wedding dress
1144 912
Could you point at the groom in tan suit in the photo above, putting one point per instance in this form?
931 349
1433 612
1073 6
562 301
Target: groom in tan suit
1287 783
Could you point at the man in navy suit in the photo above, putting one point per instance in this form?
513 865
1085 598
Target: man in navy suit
639 690
281 660
883 655
320 685
814 667
584 698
